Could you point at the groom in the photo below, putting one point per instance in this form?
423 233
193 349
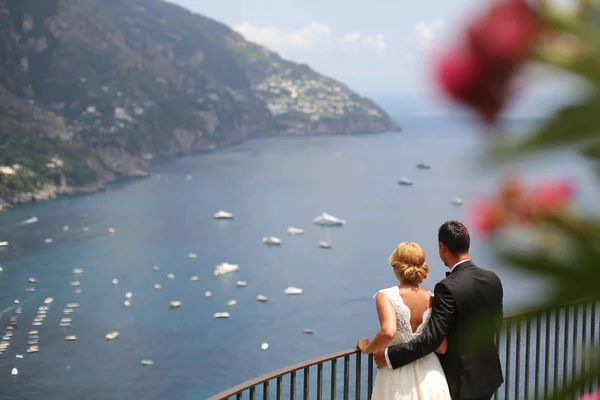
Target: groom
466 297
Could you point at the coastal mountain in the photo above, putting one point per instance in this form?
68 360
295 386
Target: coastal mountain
90 90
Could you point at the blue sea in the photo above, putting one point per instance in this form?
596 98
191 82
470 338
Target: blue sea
270 185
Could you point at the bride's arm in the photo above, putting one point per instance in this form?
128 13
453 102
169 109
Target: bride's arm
444 346
387 323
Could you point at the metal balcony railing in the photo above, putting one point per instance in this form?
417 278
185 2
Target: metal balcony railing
540 351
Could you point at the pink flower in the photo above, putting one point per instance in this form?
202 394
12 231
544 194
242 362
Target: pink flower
486 216
553 196
479 74
591 396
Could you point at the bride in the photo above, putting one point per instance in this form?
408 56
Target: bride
403 312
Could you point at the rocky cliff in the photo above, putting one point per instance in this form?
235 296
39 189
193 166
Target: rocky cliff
90 89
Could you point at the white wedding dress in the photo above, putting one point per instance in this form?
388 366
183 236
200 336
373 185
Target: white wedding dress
423 379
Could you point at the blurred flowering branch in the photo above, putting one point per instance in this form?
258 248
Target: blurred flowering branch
480 73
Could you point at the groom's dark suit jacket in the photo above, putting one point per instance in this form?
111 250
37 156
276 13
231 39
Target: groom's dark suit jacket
462 304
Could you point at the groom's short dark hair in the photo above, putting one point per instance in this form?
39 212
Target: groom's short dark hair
455 236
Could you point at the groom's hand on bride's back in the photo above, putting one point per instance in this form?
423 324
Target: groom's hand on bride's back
380 358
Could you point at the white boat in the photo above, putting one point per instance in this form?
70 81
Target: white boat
68 311
171 276
72 305
292 290
70 338
208 293
48 240
264 346
156 268
77 271
271 241
1 269
33 348
405 181
127 303
457 201
3 244
31 220
223 215
157 286
112 335
32 280
66 228
75 283
295 231
111 230
309 331
225 268
193 255
48 300
324 245
174 304
241 283
328 220
221 315
260 297
231 303
19 356
128 295
115 281
194 278
147 362
14 371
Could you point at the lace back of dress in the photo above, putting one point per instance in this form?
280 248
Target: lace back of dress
404 329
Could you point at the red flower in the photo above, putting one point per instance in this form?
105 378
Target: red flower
591 396
487 216
479 73
552 197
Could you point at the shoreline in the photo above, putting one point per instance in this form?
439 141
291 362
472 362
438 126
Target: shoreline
50 191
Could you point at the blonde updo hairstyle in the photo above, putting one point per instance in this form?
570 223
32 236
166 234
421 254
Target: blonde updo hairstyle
408 262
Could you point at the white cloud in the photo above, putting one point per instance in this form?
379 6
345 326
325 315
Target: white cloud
429 33
315 37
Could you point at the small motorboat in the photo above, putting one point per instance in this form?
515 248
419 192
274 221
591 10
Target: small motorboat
3 244
231 303
223 215
157 286
175 304
208 293
194 278
72 305
32 280
292 290
271 241
33 349
221 315
324 245
328 220
225 268
241 283
111 230
147 362
112 335
264 346
70 338
457 201
192 256
115 281
405 181
309 331
260 297
14 371
295 231
423 166
77 271
171 276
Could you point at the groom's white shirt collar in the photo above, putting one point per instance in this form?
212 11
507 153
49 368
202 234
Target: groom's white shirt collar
387 359
458 263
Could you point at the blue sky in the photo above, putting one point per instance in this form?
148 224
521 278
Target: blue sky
374 46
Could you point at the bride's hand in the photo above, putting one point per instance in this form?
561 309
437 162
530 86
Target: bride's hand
362 344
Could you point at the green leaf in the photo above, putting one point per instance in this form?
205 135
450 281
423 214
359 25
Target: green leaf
587 68
591 150
569 126
553 16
